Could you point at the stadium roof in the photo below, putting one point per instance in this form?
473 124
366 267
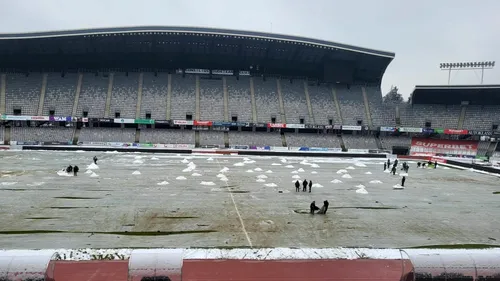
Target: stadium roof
193 47
457 94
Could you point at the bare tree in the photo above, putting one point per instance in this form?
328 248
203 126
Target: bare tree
393 96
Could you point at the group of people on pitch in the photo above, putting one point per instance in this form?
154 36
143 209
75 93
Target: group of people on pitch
305 184
313 208
70 169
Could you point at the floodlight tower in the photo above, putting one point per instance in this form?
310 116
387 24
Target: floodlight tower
467 66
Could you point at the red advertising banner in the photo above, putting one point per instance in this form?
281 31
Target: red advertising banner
455 132
276 125
202 123
433 147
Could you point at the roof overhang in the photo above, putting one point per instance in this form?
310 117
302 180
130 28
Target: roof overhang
157 47
457 94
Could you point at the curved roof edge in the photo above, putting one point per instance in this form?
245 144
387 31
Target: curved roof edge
228 32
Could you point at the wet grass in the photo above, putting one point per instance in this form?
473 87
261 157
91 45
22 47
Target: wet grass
43 218
456 246
496 192
123 233
77 198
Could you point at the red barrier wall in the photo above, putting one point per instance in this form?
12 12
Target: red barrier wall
317 270
91 270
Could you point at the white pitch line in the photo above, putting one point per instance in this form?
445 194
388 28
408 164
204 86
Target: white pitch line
236 208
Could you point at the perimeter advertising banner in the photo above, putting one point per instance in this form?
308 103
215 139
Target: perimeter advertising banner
410 130
296 126
144 121
480 133
433 147
202 123
351 128
123 121
455 132
276 125
183 122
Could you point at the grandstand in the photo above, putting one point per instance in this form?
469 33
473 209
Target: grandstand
268 79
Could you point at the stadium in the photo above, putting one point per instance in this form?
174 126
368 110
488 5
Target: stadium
200 135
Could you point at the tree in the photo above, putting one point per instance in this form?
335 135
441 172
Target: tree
393 97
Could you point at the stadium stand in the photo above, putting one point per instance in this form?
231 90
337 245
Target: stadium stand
60 94
481 117
351 105
255 138
323 105
22 92
124 94
239 95
107 135
53 134
183 97
381 114
266 100
93 94
359 141
286 88
154 95
390 141
212 138
167 136
312 140
211 100
295 102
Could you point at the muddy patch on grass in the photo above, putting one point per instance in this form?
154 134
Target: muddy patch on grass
155 233
496 192
14 189
238 191
18 232
304 211
175 218
43 218
68 208
123 233
76 198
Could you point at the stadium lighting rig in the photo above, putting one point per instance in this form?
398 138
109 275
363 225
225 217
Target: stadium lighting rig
467 66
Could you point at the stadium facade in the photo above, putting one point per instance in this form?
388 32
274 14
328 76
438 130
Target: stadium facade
200 87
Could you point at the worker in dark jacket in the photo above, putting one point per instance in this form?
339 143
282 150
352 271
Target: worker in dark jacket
297 186
304 186
313 208
310 185
75 170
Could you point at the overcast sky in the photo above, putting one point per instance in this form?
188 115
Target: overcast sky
422 33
